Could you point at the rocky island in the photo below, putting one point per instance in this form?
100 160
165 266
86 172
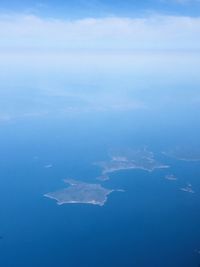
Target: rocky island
81 192
132 159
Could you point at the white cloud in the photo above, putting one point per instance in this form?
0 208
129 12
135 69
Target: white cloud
155 32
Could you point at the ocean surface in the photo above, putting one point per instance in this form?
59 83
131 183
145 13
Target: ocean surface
47 137
152 223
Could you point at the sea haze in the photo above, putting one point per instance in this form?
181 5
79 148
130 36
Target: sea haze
58 119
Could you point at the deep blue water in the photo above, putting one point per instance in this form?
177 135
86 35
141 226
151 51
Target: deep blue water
152 223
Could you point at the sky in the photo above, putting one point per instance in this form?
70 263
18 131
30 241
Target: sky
99 25
101 8
54 50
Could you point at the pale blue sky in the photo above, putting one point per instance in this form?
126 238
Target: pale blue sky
58 47
99 25
99 8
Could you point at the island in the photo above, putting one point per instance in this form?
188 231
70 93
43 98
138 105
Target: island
133 159
184 154
171 177
81 192
187 188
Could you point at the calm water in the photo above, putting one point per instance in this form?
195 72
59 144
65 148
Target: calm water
70 116
152 223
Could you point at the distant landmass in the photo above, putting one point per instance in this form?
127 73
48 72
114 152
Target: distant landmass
81 192
184 153
131 159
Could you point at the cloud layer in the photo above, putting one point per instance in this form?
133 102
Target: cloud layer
155 32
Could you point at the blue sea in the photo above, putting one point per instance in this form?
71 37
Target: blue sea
49 135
